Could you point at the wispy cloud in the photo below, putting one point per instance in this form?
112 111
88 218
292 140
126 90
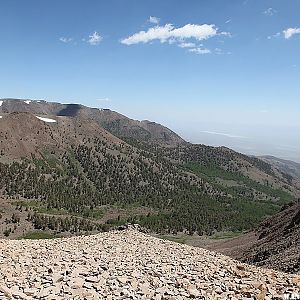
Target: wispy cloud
224 134
228 21
65 39
153 20
187 45
94 39
269 12
218 51
276 35
169 32
199 50
288 33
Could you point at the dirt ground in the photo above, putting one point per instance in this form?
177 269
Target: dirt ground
225 243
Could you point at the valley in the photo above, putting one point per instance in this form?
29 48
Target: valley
83 172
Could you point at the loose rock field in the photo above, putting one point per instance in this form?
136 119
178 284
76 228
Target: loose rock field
130 265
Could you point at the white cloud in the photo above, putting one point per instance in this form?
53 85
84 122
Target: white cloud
276 35
95 39
270 11
154 20
228 21
158 32
187 45
169 33
288 33
65 39
200 50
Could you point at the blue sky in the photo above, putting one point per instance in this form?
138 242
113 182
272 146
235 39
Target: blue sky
218 72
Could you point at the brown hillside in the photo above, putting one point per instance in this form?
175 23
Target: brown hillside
114 122
23 134
274 244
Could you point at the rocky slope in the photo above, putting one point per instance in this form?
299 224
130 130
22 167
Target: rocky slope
275 243
114 122
278 242
130 265
289 167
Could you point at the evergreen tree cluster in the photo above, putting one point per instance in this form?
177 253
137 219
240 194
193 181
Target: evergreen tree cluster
98 173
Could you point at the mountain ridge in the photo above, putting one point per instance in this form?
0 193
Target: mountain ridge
287 166
73 168
114 122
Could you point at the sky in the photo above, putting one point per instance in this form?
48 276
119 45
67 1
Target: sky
217 72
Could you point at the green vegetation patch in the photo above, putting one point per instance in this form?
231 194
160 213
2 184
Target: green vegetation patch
181 239
37 236
212 172
40 206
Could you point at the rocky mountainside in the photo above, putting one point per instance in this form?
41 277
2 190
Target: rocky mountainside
114 122
130 265
273 244
278 242
289 167
64 172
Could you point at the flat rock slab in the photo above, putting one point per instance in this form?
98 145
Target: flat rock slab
130 265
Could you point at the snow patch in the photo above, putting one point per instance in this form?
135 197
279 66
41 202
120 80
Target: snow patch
1 102
27 101
47 120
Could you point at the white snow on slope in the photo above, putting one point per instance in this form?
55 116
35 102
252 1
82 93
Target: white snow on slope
1 102
47 120
27 101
